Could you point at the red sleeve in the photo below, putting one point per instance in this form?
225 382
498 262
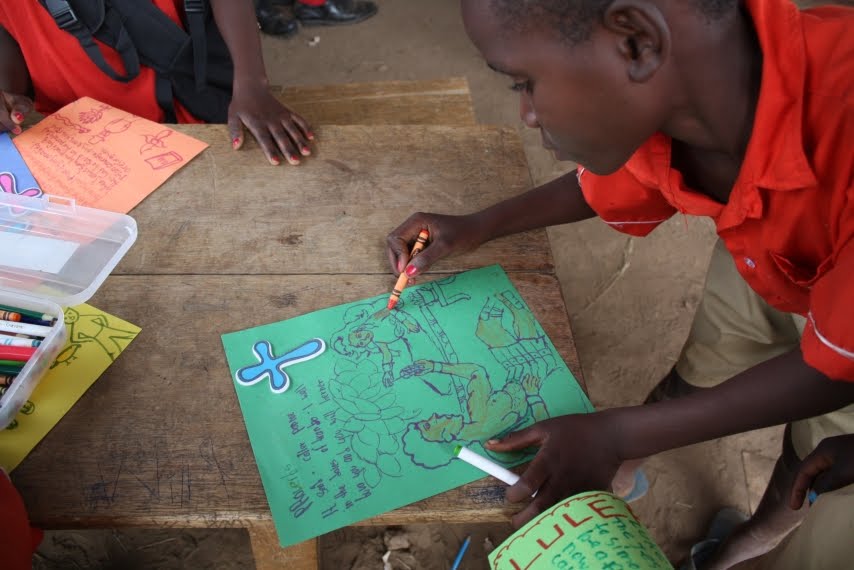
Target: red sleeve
828 341
624 202
18 541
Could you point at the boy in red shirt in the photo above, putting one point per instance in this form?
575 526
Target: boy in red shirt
36 56
739 112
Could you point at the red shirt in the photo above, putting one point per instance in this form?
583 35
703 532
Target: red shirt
789 222
61 72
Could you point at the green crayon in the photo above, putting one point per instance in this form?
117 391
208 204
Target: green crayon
32 314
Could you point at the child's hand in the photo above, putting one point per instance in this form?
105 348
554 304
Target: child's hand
278 130
829 467
449 235
13 111
577 453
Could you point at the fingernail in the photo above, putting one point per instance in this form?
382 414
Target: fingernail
294 159
311 136
411 271
305 151
401 265
275 161
17 130
235 143
18 117
492 442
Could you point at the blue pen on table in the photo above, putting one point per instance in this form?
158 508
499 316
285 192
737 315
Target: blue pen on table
461 553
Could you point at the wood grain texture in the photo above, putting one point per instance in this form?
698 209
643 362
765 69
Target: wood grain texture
421 102
270 556
159 440
228 212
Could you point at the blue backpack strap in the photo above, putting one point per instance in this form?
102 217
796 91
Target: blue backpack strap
111 24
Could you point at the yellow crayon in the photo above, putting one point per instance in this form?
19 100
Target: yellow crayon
10 316
420 243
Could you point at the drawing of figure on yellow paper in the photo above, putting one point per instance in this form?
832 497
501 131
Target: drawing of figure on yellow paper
92 330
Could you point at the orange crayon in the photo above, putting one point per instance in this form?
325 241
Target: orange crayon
10 316
420 243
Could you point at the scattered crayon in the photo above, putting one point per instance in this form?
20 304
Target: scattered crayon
27 313
24 328
461 553
16 353
420 243
18 341
10 316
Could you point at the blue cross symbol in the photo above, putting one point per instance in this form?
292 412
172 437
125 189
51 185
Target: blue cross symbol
273 367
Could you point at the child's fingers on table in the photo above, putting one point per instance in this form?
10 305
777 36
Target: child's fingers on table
284 143
297 136
303 125
235 131
265 141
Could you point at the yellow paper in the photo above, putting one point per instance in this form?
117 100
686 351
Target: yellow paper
95 340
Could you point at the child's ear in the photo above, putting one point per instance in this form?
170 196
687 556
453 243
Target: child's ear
642 34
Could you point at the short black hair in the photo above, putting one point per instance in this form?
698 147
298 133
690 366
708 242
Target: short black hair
574 19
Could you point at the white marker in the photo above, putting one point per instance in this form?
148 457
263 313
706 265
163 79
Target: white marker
24 328
484 464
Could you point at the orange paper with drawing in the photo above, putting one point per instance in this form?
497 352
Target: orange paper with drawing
103 157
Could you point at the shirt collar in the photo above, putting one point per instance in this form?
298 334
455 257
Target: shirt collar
775 157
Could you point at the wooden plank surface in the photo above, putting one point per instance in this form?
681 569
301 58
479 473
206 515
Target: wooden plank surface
228 212
159 440
270 556
420 102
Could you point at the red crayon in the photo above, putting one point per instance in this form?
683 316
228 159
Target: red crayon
420 243
17 353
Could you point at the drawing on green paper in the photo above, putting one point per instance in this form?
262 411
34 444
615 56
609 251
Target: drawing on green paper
370 424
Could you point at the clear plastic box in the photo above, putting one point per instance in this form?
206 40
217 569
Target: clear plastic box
53 254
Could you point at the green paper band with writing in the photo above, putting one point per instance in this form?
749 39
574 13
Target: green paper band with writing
590 531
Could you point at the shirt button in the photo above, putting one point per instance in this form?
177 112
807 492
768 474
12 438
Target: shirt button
750 263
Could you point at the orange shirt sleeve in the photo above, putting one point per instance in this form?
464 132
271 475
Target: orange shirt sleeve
624 202
828 341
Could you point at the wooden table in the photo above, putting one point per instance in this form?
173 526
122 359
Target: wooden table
230 243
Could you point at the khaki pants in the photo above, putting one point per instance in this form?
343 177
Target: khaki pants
735 329
822 542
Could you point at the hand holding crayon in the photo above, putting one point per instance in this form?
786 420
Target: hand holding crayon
420 243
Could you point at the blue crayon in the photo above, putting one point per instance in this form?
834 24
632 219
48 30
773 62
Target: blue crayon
812 496
461 553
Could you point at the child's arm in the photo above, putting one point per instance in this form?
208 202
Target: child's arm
14 84
557 202
277 129
582 452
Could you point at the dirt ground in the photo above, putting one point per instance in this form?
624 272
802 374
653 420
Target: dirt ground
630 300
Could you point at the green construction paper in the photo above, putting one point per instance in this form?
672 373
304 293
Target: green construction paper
459 360
590 530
